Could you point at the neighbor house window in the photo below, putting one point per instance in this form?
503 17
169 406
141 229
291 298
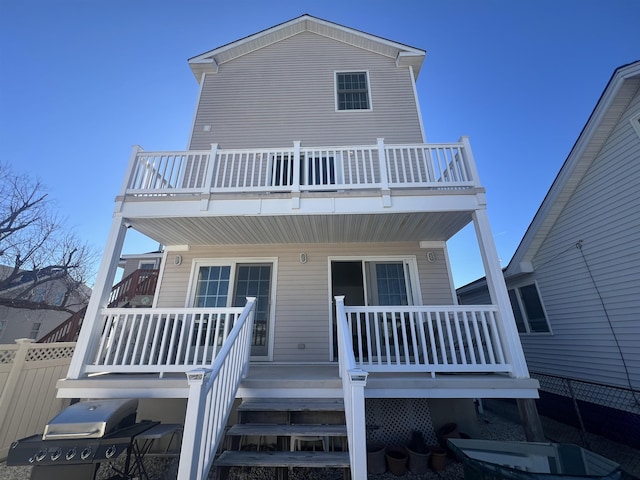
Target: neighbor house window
35 329
352 91
635 123
528 310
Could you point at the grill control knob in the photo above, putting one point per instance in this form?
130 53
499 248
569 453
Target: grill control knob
70 454
41 454
14 444
85 453
56 455
111 451
32 459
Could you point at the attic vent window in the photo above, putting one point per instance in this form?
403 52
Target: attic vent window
352 91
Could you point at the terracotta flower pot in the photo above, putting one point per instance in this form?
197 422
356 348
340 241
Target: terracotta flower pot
376 458
438 459
418 461
397 460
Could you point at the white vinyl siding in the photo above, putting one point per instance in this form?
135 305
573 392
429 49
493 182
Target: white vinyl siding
302 309
286 92
604 213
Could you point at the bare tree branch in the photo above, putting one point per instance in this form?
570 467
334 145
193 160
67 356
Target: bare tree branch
37 249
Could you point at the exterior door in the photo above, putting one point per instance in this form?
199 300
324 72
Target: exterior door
370 282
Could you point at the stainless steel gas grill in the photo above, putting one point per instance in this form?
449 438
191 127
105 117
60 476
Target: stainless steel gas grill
80 437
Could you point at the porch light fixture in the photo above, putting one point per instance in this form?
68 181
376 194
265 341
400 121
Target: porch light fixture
177 260
431 257
303 258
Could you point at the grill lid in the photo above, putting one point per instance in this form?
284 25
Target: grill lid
91 419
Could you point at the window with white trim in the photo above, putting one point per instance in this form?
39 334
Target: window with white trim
528 309
352 91
229 283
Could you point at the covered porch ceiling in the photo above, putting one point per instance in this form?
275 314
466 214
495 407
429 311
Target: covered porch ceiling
283 229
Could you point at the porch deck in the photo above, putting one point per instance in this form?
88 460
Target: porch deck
313 380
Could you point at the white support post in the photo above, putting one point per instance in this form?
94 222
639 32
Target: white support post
191 449
295 187
467 155
384 177
499 295
208 179
358 448
92 325
133 160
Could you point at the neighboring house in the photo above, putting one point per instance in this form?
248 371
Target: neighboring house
574 281
307 179
44 311
135 288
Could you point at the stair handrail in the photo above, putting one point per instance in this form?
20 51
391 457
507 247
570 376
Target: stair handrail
354 380
68 330
212 392
140 282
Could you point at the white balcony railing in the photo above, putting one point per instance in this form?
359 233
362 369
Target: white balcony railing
160 340
298 168
433 339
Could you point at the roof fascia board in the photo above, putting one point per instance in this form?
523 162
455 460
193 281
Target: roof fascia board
205 62
548 210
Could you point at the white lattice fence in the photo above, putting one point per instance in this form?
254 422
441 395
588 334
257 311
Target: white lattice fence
28 376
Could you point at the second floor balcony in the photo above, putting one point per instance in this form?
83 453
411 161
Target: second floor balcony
302 194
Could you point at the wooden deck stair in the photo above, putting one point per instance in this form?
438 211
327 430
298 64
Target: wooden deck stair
283 419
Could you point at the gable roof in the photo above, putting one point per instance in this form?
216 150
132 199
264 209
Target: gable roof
403 54
621 88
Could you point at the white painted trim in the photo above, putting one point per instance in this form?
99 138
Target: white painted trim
176 248
417 102
161 269
432 244
195 113
196 263
303 19
335 90
452 285
525 282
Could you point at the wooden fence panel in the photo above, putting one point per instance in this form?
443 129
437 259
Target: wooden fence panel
28 376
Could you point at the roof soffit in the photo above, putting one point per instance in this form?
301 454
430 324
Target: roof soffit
403 54
620 90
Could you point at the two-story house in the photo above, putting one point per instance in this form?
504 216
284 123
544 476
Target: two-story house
305 258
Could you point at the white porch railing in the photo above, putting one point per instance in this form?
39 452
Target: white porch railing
376 166
354 381
451 339
211 396
160 339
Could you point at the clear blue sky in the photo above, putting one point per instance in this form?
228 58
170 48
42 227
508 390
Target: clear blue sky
82 81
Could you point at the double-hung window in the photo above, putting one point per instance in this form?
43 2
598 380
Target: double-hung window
352 91
528 310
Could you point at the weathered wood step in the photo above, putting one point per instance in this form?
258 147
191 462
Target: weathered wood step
292 405
234 458
301 430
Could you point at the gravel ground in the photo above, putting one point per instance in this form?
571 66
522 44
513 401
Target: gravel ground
493 426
